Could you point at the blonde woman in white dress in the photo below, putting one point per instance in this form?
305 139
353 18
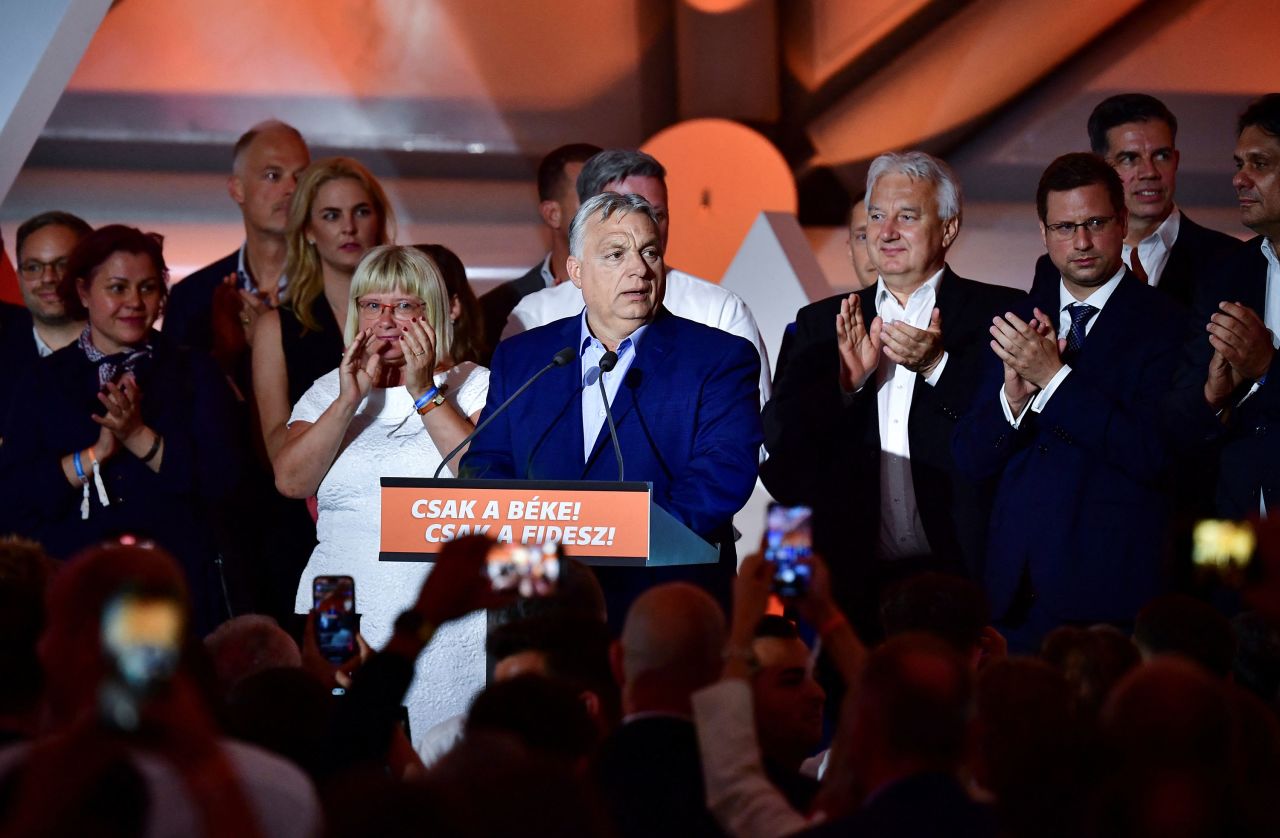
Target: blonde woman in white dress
393 407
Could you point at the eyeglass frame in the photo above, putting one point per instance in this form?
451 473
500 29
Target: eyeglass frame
1066 230
365 309
59 267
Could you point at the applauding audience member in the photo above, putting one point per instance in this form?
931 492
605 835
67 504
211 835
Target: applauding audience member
121 431
396 404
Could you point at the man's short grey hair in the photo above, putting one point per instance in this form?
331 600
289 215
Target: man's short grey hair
613 165
918 165
605 205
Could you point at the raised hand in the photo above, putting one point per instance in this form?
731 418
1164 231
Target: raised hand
361 365
1243 339
419 343
918 350
859 347
1026 349
123 402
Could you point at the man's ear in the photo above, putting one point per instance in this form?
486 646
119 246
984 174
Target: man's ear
950 230
575 271
550 212
235 188
591 701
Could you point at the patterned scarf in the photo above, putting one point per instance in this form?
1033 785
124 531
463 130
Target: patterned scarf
111 366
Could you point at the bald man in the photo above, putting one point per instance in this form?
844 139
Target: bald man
649 771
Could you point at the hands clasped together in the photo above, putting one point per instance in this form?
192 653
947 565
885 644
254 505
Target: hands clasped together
1031 353
369 360
1242 351
918 350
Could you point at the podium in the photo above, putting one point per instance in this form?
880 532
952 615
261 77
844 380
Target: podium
603 524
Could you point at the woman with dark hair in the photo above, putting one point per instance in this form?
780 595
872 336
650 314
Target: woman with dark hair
121 431
469 343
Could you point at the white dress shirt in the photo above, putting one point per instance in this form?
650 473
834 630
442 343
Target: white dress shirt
1153 251
901 530
592 350
686 296
1098 299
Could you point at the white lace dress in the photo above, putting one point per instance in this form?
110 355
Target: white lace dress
386 439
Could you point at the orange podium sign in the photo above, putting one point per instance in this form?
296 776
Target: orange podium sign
597 523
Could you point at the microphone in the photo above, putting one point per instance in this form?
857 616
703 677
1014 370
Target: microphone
607 362
561 358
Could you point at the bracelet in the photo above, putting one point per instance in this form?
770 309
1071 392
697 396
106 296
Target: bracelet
154 449
75 461
425 405
836 621
422 400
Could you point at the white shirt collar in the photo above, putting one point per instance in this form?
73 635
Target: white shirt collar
931 284
1097 299
548 275
1167 232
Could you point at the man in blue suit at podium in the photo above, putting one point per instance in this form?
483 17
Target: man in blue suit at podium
684 396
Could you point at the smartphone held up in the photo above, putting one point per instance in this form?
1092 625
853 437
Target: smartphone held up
334 600
788 545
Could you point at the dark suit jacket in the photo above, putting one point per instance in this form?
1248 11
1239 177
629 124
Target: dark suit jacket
1247 447
188 311
498 302
688 421
17 347
824 448
1197 254
649 773
922 806
1083 495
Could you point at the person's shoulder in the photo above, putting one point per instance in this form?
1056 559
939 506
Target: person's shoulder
712 343
200 283
16 337
528 346
681 283
515 289
281 793
986 291
1200 237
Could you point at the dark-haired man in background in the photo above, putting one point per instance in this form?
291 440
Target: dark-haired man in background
1070 420
557 204
1136 134
1240 308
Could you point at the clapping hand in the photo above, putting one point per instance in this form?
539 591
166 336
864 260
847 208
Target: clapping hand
123 402
361 365
419 343
859 347
919 350
1243 340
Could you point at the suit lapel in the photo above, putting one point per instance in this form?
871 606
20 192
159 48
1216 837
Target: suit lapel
558 409
654 352
1105 341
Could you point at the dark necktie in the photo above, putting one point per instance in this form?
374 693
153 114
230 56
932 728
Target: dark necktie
1135 265
1080 316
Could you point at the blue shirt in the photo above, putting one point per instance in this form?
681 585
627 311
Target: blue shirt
590 353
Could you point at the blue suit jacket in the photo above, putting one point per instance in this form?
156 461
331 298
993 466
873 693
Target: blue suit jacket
1083 495
687 415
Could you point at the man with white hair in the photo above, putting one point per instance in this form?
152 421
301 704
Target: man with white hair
860 423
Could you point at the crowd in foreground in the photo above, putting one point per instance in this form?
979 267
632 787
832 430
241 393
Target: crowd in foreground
987 472
119 721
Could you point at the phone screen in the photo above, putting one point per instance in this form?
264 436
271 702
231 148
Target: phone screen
334 598
788 540
530 570
1224 550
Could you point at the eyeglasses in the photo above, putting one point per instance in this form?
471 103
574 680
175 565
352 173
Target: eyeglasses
1066 230
34 268
401 310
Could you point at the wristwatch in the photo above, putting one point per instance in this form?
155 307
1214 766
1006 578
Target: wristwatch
435 401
